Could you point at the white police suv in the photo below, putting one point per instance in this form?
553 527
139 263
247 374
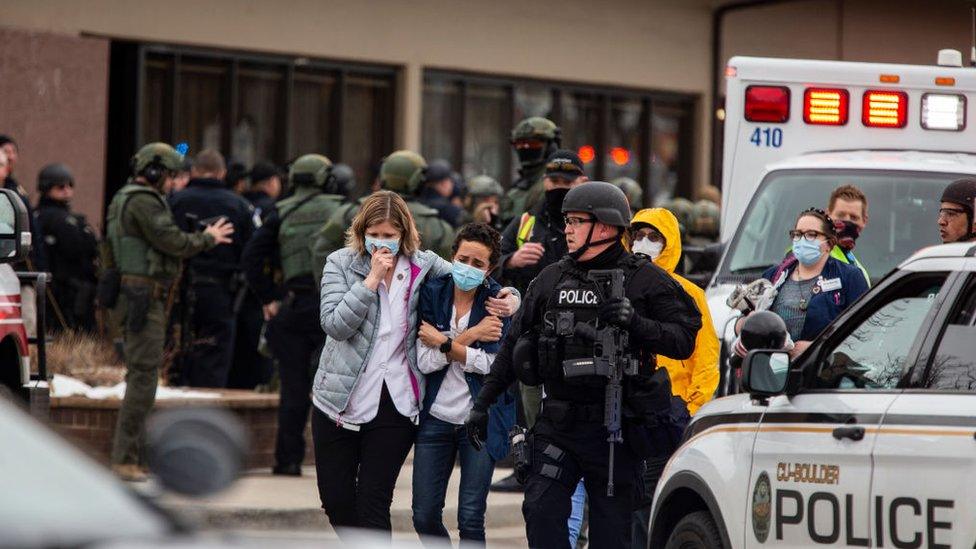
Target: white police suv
867 439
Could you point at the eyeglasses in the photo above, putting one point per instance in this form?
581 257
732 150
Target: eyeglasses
950 213
577 221
810 235
649 234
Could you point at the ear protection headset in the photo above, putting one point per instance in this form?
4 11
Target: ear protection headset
153 172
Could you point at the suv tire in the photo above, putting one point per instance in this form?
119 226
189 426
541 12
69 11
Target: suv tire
695 531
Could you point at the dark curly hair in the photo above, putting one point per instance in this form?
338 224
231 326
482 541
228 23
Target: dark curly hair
481 233
826 222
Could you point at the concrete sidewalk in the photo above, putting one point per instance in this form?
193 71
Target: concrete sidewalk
260 501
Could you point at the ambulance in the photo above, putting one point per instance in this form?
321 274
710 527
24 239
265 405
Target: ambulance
797 129
867 439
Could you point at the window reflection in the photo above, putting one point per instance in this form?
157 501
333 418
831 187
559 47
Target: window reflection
486 147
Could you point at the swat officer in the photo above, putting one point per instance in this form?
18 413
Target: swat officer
213 275
483 201
569 440
632 190
403 172
264 189
291 310
145 246
956 219
345 181
72 250
534 140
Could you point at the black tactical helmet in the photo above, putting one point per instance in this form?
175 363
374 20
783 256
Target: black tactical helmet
344 179
962 192
763 330
53 175
605 201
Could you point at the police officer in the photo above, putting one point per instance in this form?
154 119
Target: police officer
569 440
632 190
264 189
145 248
403 172
483 201
344 180
72 250
534 140
37 258
956 220
213 275
437 190
292 310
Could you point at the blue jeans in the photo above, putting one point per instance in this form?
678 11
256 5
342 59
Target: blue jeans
438 445
575 523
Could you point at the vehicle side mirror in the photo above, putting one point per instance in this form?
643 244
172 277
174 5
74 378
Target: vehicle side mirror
196 451
765 373
15 235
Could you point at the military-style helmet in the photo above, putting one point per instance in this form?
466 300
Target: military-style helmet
536 127
705 218
484 185
632 190
962 192
682 208
53 175
403 172
763 330
310 170
154 159
344 179
603 200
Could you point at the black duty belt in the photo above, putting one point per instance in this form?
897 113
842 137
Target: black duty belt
567 410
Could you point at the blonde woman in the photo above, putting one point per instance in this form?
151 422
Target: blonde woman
368 390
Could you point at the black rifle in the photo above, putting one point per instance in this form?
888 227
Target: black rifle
610 359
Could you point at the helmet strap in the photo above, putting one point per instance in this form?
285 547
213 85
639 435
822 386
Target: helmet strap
588 244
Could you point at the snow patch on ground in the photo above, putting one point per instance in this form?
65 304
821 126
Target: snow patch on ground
66 386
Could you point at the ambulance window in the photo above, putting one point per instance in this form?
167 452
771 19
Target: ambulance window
873 355
953 365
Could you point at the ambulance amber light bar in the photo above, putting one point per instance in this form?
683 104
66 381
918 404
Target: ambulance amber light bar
943 112
825 106
768 104
884 109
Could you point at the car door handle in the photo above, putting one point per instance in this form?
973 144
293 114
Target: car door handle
853 433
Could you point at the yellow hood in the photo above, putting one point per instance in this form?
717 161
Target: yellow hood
667 224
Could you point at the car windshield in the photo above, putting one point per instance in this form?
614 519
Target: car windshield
902 210
53 496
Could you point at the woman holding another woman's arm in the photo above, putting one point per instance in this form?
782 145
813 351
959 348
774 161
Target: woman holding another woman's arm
368 391
458 341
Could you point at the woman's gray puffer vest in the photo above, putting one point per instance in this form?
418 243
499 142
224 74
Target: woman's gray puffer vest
348 313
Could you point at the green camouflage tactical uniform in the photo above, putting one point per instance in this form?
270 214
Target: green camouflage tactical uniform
403 173
146 248
528 189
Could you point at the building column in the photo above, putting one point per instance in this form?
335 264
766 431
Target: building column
409 115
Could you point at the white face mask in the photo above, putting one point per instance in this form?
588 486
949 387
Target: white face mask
648 248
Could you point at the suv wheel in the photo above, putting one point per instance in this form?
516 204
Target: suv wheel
695 531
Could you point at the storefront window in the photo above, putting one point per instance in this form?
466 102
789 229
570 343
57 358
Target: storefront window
581 125
255 107
666 160
441 119
622 157
486 148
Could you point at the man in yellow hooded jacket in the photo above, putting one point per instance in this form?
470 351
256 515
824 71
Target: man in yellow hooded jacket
654 232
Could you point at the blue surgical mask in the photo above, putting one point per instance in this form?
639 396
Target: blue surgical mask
807 252
373 244
467 277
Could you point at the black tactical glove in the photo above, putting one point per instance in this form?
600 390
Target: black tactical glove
476 427
618 312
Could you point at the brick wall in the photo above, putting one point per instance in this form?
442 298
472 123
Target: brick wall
90 424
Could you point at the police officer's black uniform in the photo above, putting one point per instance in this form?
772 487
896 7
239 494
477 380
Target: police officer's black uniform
547 229
213 277
72 249
569 441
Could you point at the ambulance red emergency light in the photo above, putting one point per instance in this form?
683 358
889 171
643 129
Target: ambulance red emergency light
797 129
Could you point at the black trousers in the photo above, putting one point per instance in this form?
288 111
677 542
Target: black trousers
561 455
249 368
212 349
357 470
295 338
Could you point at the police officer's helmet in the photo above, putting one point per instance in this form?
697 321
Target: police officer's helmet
705 219
403 172
963 193
154 161
310 170
484 185
604 201
763 330
54 175
684 210
537 128
632 189
344 179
